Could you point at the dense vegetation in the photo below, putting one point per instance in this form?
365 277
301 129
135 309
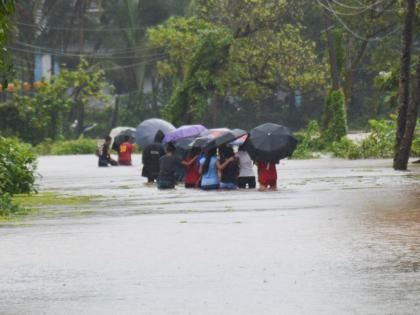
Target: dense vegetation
286 61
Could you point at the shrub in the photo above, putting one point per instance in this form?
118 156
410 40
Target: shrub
346 149
380 143
66 147
334 122
17 167
308 141
8 207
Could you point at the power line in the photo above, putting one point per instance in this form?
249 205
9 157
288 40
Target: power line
348 29
91 55
78 29
111 52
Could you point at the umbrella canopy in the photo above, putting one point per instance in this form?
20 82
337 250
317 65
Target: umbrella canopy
146 131
184 132
185 143
270 143
117 134
225 137
207 136
239 141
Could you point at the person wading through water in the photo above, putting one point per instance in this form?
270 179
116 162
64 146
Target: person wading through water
150 158
104 156
124 152
167 167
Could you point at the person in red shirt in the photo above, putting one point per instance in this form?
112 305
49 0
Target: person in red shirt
267 175
124 152
192 175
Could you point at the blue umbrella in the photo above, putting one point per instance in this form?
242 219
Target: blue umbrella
184 132
147 130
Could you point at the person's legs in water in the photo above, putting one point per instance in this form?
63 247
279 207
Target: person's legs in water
165 184
251 182
210 187
230 186
242 182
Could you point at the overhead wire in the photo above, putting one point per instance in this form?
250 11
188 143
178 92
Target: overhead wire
91 55
348 29
75 28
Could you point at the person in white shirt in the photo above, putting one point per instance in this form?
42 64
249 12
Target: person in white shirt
246 169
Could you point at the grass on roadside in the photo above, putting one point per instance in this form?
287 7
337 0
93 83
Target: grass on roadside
22 205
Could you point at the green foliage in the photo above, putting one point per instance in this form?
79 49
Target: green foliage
346 149
7 9
214 59
17 167
67 147
54 106
334 121
190 99
8 207
379 144
309 142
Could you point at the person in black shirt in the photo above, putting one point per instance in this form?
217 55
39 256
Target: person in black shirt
104 155
151 156
168 165
229 168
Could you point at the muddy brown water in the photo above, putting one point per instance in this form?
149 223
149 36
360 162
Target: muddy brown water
339 237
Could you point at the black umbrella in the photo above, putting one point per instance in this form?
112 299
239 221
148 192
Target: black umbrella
270 143
225 137
121 136
146 131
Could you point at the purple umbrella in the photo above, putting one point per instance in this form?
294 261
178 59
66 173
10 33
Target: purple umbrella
184 132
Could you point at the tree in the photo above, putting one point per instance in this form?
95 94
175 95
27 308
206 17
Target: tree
7 8
256 57
52 108
407 108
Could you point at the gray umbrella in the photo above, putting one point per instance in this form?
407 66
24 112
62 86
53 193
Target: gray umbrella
146 131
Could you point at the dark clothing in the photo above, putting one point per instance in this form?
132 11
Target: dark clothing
150 159
165 184
210 187
230 172
243 181
168 165
105 156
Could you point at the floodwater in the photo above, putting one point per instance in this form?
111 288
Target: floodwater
339 237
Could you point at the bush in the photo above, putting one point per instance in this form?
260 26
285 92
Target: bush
346 149
17 167
380 143
308 141
334 122
8 207
66 147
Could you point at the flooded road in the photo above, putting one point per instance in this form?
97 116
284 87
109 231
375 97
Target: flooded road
339 237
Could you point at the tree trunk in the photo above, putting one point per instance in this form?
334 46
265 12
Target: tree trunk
80 117
401 154
335 76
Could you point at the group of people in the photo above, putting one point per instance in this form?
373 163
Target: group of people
125 150
215 168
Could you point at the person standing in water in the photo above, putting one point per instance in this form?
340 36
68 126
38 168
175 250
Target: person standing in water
208 170
246 169
150 158
124 152
167 167
191 164
229 169
267 175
